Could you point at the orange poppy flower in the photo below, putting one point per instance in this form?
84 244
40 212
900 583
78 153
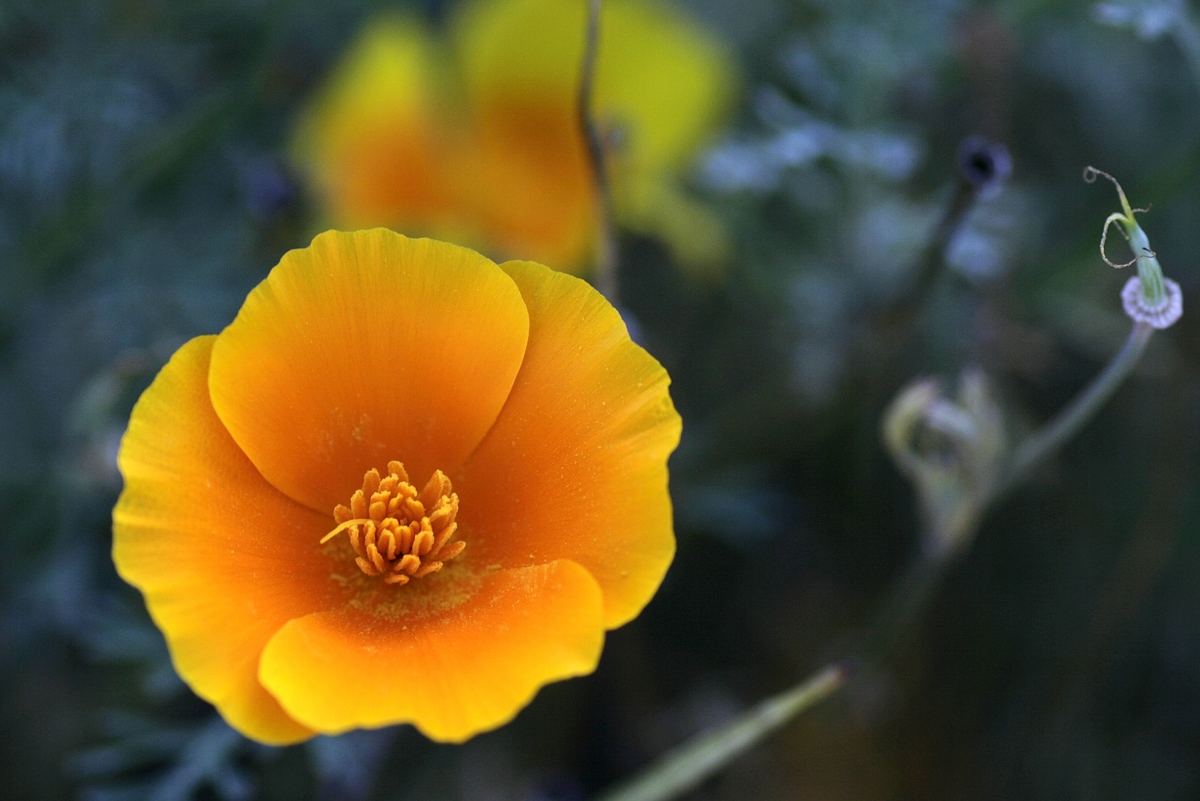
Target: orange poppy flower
404 485
475 136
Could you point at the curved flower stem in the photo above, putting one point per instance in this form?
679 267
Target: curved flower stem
932 260
695 760
982 167
1037 447
606 246
905 607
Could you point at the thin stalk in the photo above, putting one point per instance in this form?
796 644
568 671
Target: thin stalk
982 167
606 246
691 763
1040 445
933 258
905 607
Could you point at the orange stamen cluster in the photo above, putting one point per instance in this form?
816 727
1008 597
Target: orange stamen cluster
398 533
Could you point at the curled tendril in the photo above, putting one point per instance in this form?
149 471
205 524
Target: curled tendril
1115 217
1124 217
1090 174
1148 254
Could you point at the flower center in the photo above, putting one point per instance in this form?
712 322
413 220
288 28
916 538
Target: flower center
398 533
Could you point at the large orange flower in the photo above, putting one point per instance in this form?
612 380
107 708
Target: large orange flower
476 135
404 485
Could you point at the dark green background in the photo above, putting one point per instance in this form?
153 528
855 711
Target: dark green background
143 192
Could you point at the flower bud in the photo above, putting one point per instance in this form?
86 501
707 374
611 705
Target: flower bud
1148 297
984 164
953 451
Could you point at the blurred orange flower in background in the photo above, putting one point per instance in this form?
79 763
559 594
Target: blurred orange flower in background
475 137
303 584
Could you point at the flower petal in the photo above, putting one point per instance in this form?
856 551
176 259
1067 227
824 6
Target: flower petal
527 181
667 78
363 348
575 466
661 80
372 140
223 558
453 672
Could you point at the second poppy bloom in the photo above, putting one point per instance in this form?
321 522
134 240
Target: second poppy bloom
476 136
404 485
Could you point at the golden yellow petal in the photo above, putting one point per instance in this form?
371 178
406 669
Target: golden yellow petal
662 81
575 467
452 672
526 182
372 140
222 557
363 348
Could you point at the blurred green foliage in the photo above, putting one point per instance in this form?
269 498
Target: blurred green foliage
143 192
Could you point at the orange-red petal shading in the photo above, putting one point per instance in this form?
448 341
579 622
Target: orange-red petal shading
453 672
363 348
575 466
527 181
222 557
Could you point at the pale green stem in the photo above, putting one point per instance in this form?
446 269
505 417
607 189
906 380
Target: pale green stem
1154 292
691 763
1037 447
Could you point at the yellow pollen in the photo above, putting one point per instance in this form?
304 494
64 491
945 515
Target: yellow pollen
397 532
